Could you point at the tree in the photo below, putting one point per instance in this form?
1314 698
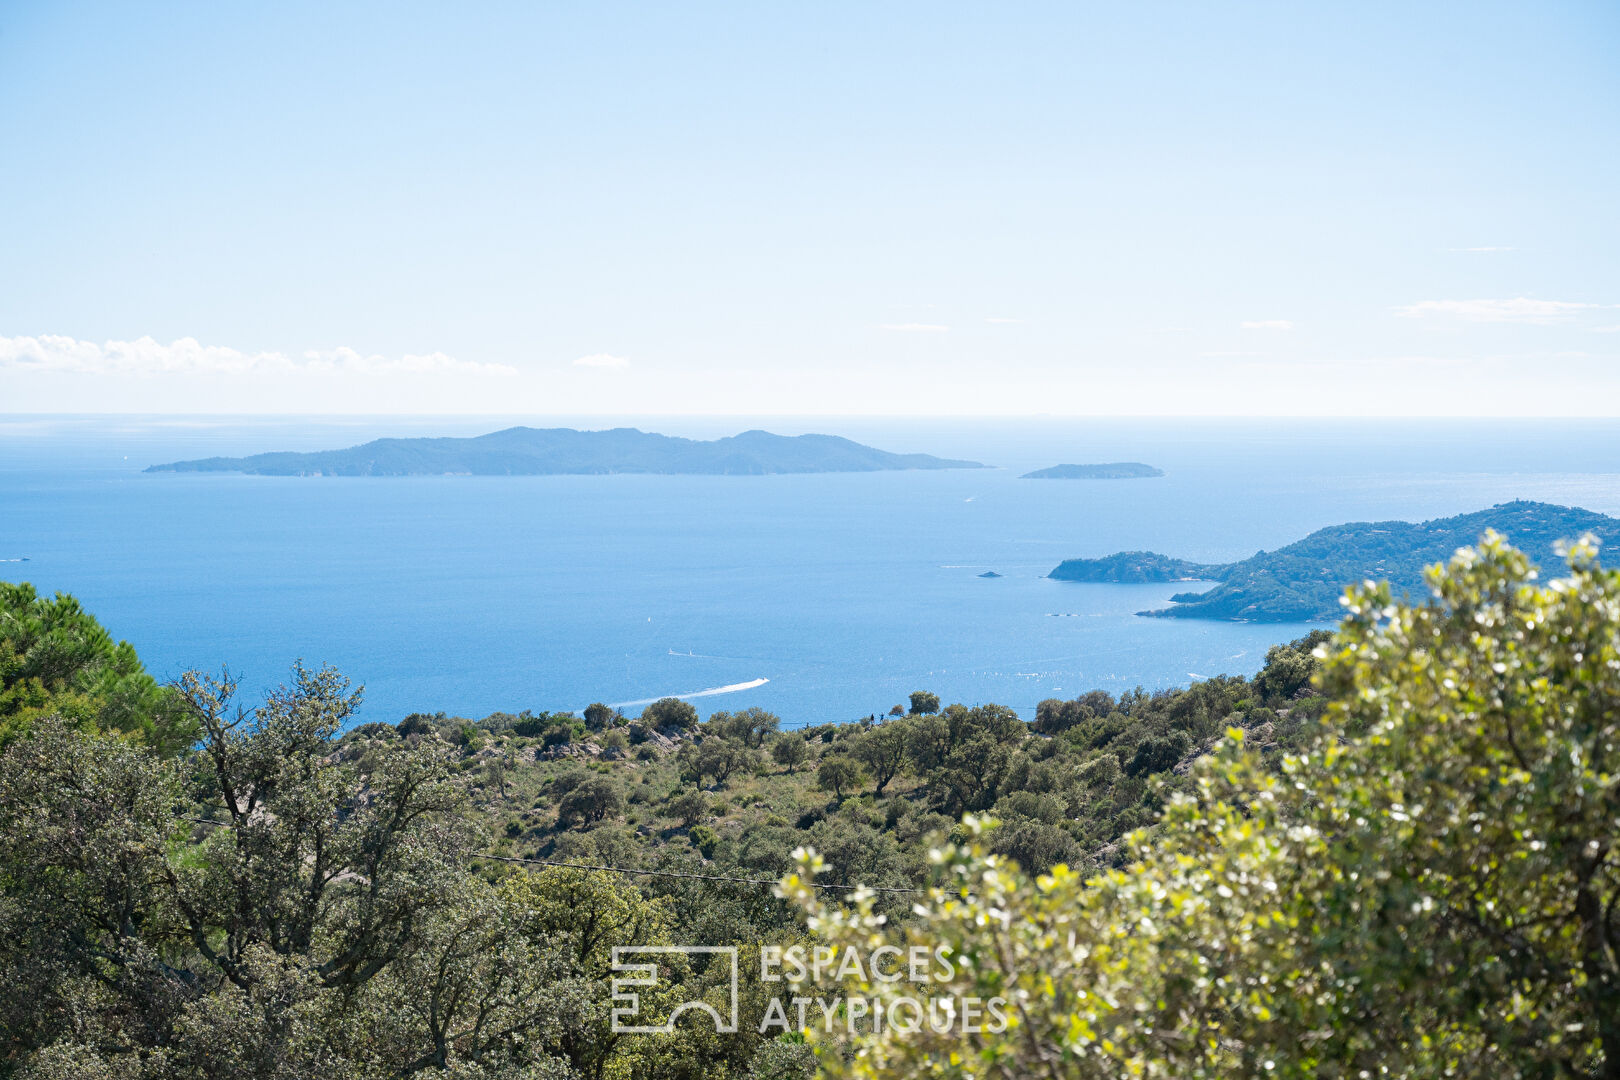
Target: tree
704 839
259 934
790 751
584 915
1053 716
498 768
1158 753
83 825
751 726
718 757
309 862
1428 889
593 799
1288 668
669 713
472 990
967 757
690 808
882 749
923 703
838 772
55 658
599 716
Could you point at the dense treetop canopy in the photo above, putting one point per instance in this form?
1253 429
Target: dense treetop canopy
55 658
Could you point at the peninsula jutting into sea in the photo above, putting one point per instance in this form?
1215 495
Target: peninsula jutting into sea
1303 581
1112 470
525 451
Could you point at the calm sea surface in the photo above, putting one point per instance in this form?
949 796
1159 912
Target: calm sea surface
823 597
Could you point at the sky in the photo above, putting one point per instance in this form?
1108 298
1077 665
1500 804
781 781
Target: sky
754 209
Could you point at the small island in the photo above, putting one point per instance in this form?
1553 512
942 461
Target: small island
524 451
1113 470
1303 581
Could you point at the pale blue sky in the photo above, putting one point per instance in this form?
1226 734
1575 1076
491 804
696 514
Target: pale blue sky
894 208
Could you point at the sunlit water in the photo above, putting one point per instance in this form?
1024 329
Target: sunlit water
821 597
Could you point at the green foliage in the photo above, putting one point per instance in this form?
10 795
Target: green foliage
717 756
690 808
593 799
750 727
1134 567
1427 889
338 921
924 703
599 716
704 839
580 916
1289 667
137 939
838 773
55 658
553 729
669 713
1158 753
786 1057
882 750
790 750
1305 580
1053 717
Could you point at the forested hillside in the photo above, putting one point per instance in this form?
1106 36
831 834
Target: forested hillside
290 892
1391 851
1303 581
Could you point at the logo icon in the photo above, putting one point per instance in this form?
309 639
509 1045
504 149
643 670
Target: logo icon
627 1000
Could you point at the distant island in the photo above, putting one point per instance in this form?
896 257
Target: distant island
1113 470
1303 581
523 451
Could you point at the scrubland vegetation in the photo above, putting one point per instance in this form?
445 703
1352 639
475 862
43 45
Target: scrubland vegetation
1390 853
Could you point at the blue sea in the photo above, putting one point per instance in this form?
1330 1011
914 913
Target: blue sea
822 597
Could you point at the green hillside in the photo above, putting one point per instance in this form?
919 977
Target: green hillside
1303 581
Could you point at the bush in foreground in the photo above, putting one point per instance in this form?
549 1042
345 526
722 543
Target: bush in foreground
1428 889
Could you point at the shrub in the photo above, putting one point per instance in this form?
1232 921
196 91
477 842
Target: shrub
704 839
592 801
923 703
689 808
1158 753
669 714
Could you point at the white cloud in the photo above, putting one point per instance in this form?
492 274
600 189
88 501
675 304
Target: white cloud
1519 310
1268 324
916 328
602 360
1615 329
145 357
1003 321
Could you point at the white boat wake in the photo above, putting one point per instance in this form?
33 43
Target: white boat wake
711 692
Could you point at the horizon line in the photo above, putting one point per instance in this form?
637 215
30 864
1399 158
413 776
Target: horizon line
1318 417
